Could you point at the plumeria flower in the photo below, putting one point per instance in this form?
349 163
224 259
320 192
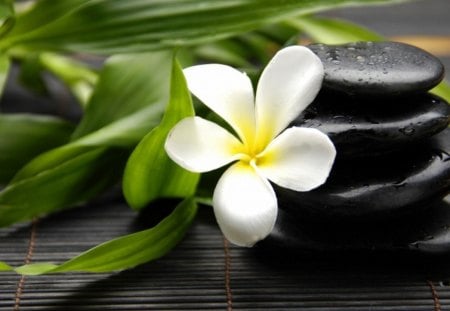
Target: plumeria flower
297 158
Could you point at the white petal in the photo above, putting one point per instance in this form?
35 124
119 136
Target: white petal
245 205
226 91
299 159
200 146
288 84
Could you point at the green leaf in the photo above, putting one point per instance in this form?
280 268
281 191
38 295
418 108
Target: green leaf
117 26
4 70
6 16
278 34
5 267
225 52
127 251
125 132
442 90
35 269
6 8
73 181
24 136
44 12
150 173
333 31
127 84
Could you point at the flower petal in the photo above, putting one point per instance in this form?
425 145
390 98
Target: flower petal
200 146
226 91
245 205
288 84
299 159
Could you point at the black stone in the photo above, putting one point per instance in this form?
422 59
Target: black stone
427 232
378 68
372 188
375 130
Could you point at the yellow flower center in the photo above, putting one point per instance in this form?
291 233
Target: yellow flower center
249 155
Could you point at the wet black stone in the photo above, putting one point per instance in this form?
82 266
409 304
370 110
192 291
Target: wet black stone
378 68
377 188
374 130
426 232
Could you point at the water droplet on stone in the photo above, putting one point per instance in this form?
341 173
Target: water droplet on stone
360 59
408 131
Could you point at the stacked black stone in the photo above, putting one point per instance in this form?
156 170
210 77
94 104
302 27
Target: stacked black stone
386 188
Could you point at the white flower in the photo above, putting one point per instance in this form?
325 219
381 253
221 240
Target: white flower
300 159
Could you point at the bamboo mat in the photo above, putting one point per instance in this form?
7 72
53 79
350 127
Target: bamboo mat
206 273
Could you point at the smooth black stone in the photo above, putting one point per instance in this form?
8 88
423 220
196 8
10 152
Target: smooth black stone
427 232
373 130
378 68
377 188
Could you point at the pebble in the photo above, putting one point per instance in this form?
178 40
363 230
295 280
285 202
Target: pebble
371 188
378 68
374 130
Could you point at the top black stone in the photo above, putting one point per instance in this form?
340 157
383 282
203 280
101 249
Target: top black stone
378 68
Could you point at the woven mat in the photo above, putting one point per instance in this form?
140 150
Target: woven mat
206 273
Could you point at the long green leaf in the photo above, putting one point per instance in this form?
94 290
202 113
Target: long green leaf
442 90
124 133
331 31
149 173
7 18
5 267
73 181
42 13
6 8
224 52
4 70
117 26
127 251
24 136
127 84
